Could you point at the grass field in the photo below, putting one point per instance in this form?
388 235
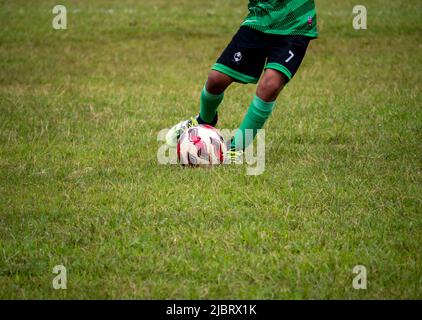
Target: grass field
80 184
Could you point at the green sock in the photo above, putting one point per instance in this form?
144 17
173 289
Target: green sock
258 112
208 105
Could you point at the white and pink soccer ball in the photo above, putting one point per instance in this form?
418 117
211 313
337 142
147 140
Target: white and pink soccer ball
201 145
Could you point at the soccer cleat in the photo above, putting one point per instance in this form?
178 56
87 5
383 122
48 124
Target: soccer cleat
233 156
176 131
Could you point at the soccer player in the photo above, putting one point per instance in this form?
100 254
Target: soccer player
272 40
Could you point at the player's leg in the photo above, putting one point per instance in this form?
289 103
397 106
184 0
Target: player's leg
217 82
212 95
270 85
285 54
261 107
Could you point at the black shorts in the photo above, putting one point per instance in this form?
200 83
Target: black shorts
252 51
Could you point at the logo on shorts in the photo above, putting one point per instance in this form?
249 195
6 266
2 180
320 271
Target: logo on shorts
237 56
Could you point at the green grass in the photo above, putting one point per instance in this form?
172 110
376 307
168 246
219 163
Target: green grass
80 184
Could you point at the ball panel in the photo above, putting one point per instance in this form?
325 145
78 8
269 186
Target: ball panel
201 145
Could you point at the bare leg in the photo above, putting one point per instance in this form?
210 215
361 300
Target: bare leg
270 85
217 82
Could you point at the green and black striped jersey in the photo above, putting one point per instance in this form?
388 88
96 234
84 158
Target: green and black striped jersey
285 17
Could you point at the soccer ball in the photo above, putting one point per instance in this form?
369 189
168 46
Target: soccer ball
201 145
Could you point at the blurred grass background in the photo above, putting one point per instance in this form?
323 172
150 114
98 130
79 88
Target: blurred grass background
80 185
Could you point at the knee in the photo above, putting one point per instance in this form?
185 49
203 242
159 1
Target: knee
269 88
217 82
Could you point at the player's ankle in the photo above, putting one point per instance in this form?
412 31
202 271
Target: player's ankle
213 122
